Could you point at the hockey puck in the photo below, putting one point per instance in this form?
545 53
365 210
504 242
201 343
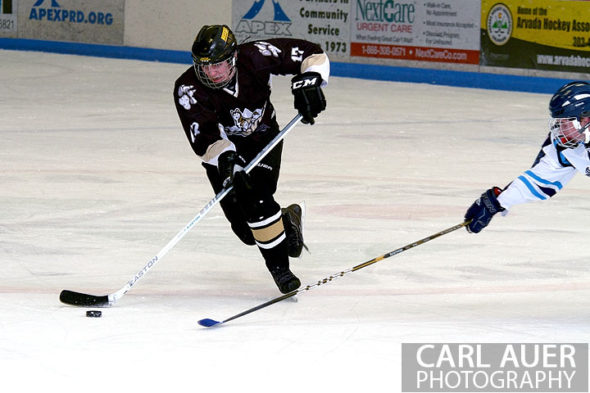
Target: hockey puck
94 314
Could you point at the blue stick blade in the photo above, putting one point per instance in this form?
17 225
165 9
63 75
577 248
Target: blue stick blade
208 322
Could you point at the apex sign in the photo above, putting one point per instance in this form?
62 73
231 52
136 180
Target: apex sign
254 22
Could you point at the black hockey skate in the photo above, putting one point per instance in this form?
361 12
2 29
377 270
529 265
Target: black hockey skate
285 280
293 222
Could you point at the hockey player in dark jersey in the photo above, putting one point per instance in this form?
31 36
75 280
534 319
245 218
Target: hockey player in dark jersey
566 151
223 102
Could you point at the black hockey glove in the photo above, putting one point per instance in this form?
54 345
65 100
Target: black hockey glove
229 164
309 97
231 168
483 209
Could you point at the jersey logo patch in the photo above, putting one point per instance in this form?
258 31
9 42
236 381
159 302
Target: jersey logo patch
267 49
588 171
185 96
246 122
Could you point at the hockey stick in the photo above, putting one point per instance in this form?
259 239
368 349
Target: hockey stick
211 322
82 299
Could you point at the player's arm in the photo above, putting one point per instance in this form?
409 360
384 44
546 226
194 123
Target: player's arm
287 56
315 60
309 99
304 59
204 133
548 175
312 75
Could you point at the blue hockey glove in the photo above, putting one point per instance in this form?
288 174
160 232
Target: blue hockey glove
309 97
483 209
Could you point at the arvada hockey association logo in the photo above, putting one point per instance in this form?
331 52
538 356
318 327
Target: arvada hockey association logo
499 24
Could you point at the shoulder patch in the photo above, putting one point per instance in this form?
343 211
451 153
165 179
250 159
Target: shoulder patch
267 49
185 96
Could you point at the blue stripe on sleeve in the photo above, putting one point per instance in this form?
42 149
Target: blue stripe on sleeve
543 181
531 188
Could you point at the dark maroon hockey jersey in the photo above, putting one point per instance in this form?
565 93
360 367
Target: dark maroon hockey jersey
241 112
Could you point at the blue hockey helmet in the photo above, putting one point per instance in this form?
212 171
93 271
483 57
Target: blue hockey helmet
571 100
570 114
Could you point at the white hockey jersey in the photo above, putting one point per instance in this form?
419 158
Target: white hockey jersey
554 167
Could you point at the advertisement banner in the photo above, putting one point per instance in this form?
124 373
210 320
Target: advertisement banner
8 18
441 31
324 22
99 22
538 34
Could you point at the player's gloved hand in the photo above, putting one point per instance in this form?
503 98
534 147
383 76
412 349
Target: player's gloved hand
229 164
309 97
483 209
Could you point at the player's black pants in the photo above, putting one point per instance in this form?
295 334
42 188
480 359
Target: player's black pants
256 211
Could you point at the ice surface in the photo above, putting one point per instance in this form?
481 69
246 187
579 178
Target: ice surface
96 177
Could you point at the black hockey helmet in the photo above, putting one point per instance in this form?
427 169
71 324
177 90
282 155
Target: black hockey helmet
570 110
214 46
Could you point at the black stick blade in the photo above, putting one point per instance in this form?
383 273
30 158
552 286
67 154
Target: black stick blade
82 299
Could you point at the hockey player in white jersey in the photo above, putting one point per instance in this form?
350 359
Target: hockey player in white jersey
565 152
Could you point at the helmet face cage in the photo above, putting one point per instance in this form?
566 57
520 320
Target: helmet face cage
570 114
569 132
203 71
214 55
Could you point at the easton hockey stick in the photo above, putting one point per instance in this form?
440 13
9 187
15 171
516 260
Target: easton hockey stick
82 299
207 322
